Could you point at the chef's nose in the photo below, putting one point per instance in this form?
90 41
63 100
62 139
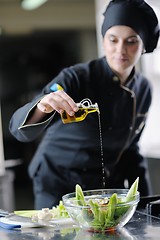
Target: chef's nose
121 47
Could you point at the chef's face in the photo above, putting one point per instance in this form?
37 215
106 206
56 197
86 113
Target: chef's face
123 48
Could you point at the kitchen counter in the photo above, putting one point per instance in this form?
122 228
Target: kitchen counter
141 226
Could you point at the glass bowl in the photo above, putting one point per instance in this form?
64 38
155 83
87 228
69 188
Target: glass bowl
97 215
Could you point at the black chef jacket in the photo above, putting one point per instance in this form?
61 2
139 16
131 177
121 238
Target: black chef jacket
70 150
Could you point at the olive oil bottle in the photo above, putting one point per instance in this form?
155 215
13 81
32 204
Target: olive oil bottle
85 107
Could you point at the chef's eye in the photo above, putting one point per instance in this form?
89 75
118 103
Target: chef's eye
132 40
112 39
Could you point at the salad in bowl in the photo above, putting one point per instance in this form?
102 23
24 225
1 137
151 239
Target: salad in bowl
103 209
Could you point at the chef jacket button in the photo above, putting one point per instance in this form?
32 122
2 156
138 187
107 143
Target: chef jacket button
130 128
115 79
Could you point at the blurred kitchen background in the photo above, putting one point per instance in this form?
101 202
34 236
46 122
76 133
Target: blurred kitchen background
35 44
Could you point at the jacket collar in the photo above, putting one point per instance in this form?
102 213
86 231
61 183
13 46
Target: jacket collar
113 78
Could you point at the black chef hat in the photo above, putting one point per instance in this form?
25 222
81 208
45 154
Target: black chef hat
136 14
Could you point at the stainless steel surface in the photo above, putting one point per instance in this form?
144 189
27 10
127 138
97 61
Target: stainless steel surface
141 226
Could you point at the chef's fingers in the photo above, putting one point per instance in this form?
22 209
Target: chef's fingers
58 101
67 101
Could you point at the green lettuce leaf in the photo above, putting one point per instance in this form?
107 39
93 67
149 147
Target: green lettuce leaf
80 196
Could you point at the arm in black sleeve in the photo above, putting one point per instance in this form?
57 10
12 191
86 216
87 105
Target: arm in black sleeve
23 132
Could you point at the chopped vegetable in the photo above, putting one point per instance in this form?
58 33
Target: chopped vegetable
60 211
80 196
133 190
45 214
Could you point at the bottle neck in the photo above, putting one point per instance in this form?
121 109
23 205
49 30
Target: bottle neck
87 104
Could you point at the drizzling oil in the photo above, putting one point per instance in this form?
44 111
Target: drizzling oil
86 107
101 151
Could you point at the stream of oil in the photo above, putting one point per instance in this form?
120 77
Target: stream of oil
101 151
79 116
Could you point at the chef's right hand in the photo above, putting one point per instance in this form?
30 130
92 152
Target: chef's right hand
58 101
